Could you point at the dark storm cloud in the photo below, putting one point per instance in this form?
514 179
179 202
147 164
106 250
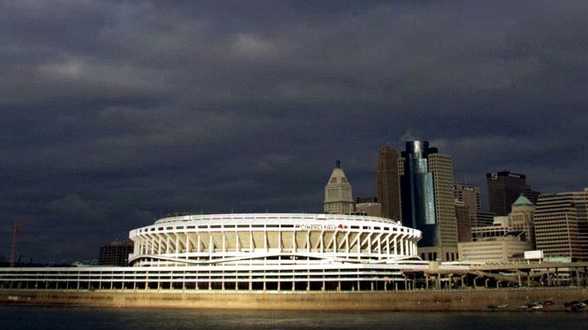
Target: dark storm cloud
117 112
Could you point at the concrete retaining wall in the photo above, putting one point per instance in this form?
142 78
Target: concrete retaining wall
430 300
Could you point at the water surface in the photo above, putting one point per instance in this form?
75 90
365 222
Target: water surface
53 318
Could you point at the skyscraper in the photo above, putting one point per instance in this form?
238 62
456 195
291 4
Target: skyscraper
338 193
428 202
388 183
504 188
464 224
561 224
469 195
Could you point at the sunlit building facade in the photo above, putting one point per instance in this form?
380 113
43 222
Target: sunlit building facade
338 193
561 224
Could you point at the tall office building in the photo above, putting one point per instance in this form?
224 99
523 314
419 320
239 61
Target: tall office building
338 194
504 188
115 253
388 183
428 202
464 223
469 195
561 224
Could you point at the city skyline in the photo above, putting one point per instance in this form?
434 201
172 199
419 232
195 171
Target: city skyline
116 113
483 189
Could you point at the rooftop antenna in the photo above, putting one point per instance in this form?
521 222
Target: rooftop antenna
338 163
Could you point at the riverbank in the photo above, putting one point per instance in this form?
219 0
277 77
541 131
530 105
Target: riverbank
430 300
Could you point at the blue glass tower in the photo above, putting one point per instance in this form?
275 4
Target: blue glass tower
418 193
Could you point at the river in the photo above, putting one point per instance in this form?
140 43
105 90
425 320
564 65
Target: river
53 318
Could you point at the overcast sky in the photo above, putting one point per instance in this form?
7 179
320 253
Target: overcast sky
114 113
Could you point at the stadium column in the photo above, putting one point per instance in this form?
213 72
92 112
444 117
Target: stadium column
198 243
407 245
210 246
184 281
377 242
209 280
187 245
250 280
159 244
395 242
152 243
347 243
237 245
334 241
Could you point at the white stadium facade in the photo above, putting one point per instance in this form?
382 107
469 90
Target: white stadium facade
249 251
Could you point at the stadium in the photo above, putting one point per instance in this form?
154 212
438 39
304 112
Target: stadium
279 251
250 251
